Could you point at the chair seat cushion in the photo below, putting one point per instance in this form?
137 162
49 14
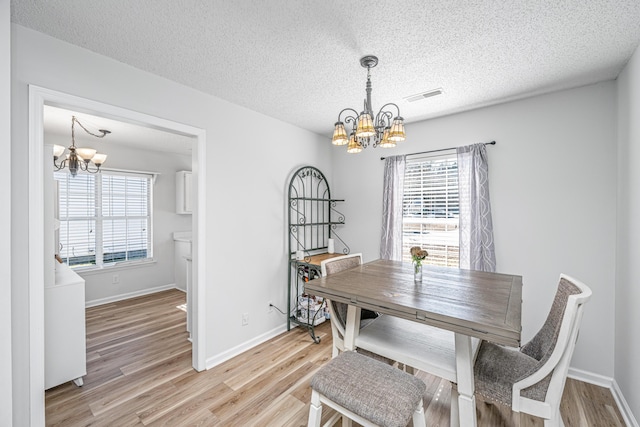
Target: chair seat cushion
378 392
498 368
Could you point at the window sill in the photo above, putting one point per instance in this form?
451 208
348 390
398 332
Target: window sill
114 267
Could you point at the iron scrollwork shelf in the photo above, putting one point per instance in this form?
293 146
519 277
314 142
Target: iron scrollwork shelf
313 220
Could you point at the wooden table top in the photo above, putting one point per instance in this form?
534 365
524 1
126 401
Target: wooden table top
475 303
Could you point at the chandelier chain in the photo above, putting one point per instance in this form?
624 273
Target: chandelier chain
75 120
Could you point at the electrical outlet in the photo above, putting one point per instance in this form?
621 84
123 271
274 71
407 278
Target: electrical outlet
115 279
270 307
245 319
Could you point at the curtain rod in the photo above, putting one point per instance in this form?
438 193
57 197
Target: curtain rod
442 149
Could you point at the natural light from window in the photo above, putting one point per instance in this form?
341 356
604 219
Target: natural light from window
104 219
430 209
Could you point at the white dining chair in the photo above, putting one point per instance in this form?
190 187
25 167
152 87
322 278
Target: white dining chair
532 380
338 310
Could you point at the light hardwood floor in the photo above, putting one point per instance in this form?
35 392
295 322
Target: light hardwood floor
139 374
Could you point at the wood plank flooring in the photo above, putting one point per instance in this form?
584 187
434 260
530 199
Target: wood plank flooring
139 374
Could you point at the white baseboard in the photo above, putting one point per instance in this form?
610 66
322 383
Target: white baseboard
590 377
121 297
226 355
612 385
629 419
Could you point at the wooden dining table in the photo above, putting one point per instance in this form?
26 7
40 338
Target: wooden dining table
472 304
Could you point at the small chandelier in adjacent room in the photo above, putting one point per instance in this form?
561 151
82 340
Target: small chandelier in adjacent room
79 158
385 131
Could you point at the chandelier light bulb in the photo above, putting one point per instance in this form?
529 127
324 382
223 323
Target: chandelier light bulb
98 159
58 150
365 126
85 154
386 142
339 134
397 130
354 146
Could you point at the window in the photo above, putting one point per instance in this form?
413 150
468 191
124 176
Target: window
104 218
430 209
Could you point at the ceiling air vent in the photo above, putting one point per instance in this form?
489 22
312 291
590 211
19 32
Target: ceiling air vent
423 95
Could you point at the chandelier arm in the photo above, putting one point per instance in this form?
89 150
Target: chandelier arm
83 165
86 168
390 103
383 119
353 118
60 166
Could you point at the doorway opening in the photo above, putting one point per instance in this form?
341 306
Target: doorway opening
38 98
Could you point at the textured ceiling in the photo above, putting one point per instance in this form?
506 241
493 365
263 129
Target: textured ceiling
298 60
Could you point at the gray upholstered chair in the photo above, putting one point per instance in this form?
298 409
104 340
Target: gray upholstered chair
367 391
532 380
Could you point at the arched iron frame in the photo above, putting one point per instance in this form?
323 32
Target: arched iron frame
312 220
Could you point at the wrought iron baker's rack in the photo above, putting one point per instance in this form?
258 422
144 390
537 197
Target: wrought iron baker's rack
312 220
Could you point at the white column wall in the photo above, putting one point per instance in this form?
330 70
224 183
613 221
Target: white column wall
6 412
627 315
553 191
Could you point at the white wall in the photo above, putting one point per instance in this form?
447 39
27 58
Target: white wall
249 159
627 349
5 213
552 185
135 280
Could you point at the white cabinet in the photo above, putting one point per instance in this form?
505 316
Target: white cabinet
182 250
64 329
184 190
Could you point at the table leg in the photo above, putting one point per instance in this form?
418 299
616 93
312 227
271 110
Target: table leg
352 327
464 367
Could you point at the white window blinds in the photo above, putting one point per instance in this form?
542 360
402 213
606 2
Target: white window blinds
104 218
126 220
77 215
430 209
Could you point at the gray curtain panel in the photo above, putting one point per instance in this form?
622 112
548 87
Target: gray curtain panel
391 241
476 227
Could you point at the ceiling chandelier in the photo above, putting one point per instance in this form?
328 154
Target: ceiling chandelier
385 131
79 158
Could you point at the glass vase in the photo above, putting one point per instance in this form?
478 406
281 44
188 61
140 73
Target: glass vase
417 273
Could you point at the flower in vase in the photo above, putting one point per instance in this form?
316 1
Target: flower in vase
417 255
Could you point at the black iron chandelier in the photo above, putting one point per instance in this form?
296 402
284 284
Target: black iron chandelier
385 131
79 158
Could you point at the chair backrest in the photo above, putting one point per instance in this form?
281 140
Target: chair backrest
340 263
553 345
339 309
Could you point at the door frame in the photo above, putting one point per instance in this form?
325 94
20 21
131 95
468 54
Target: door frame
38 98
